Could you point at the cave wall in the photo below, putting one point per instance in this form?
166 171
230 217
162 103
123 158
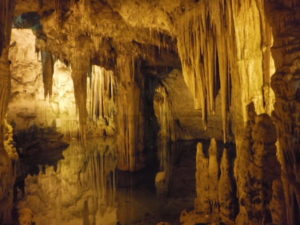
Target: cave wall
284 18
176 114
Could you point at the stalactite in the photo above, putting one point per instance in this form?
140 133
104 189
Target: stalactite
163 113
48 69
211 43
101 97
80 64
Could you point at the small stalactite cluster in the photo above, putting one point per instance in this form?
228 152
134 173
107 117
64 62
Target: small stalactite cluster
256 170
48 69
130 117
205 42
215 53
101 94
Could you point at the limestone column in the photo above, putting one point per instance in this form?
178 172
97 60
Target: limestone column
130 119
80 62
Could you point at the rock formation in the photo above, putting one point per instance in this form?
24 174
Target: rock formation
285 83
226 190
213 176
256 169
202 181
130 120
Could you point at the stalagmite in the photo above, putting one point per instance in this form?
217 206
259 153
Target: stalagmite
48 69
226 190
202 201
213 174
257 168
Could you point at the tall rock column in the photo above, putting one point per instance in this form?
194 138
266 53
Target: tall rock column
130 137
256 169
80 62
213 174
284 17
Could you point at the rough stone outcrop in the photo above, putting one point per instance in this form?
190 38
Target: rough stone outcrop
256 169
227 190
284 19
6 167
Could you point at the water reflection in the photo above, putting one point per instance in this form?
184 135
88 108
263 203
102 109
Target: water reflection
86 188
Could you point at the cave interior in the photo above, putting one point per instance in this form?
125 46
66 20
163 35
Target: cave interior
149 112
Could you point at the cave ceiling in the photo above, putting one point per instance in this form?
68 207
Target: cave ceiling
102 29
